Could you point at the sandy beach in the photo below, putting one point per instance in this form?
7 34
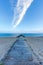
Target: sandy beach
5 44
35 43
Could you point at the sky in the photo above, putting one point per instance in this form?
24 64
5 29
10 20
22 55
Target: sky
29 18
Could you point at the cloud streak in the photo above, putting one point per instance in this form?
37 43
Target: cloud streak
19 11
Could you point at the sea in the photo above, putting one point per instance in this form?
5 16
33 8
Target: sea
17 34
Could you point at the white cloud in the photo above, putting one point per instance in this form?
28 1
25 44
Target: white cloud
19 11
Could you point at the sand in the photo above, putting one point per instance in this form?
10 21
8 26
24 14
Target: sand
36 43
5 44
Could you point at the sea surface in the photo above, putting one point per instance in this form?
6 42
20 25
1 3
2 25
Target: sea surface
25 34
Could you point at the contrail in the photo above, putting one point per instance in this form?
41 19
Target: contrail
19 11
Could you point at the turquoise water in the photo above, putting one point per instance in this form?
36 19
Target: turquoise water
7 34
16 34
33 34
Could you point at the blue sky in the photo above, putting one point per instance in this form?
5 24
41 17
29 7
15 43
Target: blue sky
31 22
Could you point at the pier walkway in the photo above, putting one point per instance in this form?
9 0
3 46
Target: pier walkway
19 54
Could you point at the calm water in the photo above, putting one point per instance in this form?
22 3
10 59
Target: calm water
7 34
16 34
34 34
